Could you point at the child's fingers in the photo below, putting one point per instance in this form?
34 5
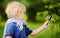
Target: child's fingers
47 23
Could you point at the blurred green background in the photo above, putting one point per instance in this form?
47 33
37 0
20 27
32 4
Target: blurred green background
37 12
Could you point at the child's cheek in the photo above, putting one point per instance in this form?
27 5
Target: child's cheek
21 17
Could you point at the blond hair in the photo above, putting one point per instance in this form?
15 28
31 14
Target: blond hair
13 7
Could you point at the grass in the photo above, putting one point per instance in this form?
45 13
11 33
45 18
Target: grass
1 29
1 32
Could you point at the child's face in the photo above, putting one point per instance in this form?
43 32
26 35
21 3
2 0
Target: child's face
21 14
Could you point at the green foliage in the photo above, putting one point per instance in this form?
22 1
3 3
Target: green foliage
34 6
1 32
55 18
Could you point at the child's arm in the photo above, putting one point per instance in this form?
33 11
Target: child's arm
8 36
46 24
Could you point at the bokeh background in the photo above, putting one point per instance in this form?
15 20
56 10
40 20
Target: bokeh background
37 13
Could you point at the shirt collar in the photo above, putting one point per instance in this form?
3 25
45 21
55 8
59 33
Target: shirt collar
19 22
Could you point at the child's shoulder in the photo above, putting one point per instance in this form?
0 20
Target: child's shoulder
11 24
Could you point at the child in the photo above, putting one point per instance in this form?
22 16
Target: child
16 26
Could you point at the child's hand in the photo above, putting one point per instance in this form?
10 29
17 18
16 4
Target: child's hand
47 23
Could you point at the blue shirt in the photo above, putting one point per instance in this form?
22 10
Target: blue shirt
12 30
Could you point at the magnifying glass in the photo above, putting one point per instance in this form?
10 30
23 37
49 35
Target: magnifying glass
49 18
